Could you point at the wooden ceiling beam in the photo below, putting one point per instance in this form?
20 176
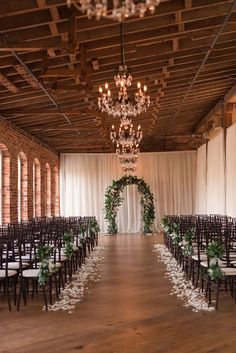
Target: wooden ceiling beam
27 77
61 72
42 111
217 108
34 45
13 7
7 61
154 32
163 50
11 87
163 11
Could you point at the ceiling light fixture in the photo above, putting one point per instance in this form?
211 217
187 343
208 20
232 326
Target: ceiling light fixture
123 106
116 9
126 137
127 142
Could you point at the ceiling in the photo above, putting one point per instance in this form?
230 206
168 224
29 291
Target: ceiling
52 61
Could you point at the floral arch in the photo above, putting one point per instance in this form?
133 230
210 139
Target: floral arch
113 200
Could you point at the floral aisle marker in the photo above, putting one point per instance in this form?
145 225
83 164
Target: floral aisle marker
215 252
75 291
113 200
182 287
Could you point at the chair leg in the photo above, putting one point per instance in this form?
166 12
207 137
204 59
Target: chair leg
197 275
19 295
25 289
57 281
50 290
209 291
217 294
8 294
15 291
45 298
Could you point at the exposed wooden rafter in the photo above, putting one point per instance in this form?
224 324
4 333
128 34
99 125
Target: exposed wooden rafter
71 56
8 84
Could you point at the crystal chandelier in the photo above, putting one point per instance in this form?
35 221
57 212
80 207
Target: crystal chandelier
127 142
126 137
129 164
128 158
123 106
118 9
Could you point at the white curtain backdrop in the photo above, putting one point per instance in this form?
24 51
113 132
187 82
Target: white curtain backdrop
216 175
231 171
201 180
84 178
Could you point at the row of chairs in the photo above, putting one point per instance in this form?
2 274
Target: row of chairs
205 247
41 255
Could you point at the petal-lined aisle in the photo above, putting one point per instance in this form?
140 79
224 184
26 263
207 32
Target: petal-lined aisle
75 290
182 287
130 310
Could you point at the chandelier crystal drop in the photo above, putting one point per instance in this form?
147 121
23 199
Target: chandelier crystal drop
116 9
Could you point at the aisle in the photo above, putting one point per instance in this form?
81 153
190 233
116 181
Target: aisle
128 311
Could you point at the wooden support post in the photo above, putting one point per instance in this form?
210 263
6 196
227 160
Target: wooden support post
83 63
72 31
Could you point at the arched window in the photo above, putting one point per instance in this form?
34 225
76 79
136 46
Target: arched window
4 184
56 193
48 190
36 188
22 187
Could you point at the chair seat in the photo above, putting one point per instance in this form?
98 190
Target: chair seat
11 273
56 264
15 265
221 263
231 256
25 257
204 264
63 258
203 257
229 271
31 273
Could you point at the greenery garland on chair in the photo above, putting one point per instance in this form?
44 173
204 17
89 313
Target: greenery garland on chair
215 252
47 267
113 200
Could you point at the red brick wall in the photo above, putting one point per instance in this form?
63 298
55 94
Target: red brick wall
12 144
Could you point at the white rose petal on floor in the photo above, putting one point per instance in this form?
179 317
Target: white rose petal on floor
182 287
75 291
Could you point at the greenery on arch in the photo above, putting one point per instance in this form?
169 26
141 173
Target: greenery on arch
113 200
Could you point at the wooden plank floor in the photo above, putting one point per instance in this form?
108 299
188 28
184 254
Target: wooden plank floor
128 311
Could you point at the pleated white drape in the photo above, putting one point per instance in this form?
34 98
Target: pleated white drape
216 175
231 171
84 178
201 180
